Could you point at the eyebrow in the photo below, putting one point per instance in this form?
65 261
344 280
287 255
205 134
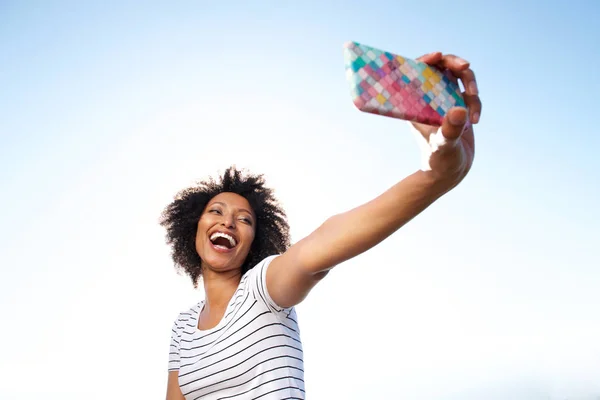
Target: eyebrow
225 205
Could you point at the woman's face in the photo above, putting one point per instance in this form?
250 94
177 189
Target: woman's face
225 232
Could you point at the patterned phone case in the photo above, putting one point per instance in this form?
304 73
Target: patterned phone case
388 84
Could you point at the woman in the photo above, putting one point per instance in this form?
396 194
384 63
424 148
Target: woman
243 340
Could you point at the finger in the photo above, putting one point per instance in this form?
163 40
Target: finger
473 103
454 63
431 58
471 94
467 76
454 123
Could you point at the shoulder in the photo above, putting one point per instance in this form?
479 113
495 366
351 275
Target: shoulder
185 317
256 282
255 276
261 266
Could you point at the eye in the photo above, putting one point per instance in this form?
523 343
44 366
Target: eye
246 220
215 211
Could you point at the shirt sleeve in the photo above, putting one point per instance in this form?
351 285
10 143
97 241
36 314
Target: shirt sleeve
258 285
174 359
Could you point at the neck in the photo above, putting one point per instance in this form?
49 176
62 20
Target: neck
219 287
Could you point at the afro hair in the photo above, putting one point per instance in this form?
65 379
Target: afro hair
180 218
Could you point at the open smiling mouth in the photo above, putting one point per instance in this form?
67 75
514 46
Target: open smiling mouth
222 241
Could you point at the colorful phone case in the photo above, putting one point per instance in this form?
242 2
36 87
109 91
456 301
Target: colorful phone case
388 84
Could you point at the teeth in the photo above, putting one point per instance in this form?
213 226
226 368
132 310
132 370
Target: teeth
215 235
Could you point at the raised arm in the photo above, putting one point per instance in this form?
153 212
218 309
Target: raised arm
449 153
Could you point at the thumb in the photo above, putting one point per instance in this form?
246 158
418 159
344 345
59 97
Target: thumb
454 123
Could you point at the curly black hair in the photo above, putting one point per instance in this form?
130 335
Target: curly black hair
180 218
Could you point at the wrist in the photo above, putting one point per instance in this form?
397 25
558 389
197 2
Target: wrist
435 184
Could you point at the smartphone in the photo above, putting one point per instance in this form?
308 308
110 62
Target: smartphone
387 84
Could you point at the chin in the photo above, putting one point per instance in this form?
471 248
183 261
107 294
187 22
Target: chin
219 257
222 266
221 262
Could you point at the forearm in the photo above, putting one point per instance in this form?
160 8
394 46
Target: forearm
349 234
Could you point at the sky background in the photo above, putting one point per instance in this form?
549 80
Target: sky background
107 109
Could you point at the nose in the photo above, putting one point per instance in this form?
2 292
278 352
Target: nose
228 221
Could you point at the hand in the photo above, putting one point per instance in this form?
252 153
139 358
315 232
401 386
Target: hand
452 150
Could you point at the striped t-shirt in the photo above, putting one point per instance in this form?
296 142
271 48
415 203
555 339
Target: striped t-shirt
254 352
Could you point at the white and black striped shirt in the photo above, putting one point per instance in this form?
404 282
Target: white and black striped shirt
254 352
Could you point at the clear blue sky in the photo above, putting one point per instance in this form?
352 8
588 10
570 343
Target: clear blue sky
106 109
